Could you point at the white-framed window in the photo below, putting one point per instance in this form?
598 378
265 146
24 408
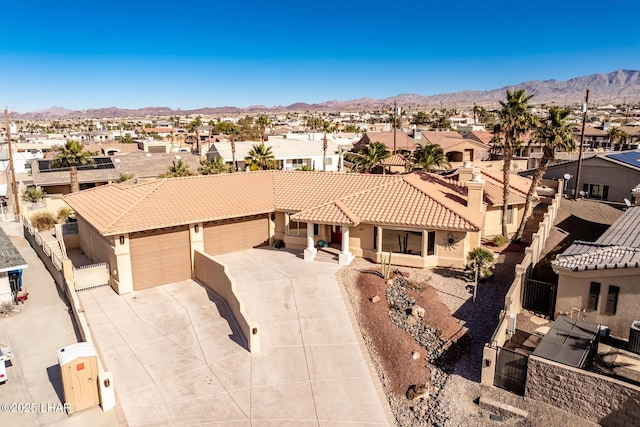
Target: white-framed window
297 163
329 161
295 228
510 215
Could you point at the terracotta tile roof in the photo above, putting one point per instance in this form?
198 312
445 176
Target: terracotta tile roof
448 140
419 199
600 257
494 184
483 136
395 160
404 141
115 209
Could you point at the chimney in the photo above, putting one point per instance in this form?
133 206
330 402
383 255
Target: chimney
465 172
475 190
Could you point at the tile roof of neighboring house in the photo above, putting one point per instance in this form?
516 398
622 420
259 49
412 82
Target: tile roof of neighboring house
449 140
483 136
404 141
618 247
10 258
395 160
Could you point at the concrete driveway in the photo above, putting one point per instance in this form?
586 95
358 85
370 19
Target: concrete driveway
176 357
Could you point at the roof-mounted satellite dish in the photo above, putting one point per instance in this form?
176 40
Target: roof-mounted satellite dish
567 176
582 194
627 202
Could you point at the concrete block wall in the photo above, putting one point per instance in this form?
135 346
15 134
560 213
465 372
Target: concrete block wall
601 399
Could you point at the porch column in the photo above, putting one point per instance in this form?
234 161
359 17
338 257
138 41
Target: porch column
345 256
310 251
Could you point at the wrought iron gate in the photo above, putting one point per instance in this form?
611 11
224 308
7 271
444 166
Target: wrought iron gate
511 370
540 297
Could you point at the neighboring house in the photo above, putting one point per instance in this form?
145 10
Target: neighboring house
456 147
11 266
608 177
289 154
148 232
143 166
598 281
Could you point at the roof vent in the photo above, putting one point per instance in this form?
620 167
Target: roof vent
178 157
148 154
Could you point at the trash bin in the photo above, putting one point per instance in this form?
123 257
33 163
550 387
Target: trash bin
634 337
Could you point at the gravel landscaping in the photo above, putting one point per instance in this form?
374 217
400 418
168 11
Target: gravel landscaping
437 353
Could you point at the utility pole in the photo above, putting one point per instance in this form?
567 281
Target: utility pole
584 121
395 109
13 172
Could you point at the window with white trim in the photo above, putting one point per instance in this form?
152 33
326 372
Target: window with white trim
296 228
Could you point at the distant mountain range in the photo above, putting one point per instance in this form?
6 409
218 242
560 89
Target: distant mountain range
616 87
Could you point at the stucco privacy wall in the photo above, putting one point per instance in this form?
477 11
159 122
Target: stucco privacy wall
215 276
513 298
604 400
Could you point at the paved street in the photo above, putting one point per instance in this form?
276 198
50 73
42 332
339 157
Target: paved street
41 327
176 358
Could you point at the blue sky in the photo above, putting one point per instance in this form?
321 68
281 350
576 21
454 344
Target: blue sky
134 54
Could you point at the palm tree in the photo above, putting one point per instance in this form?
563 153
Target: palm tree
429 157
480 261
553 133
177 169
614 134
193 127
370 157
326 126
260 158
70 156
263 122
215 166
515 120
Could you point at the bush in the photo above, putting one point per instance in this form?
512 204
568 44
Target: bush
63 214
499 240
43 220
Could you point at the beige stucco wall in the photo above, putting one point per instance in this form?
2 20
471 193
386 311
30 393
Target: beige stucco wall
215 276
493 222
573 292
279 226
361 239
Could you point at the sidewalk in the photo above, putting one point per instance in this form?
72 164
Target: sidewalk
42 326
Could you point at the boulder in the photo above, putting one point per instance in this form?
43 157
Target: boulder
417 392
374 299
417 311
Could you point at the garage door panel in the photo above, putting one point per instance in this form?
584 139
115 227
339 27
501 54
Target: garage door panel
160 257
245 233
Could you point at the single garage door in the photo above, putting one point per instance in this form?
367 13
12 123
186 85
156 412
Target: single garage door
160 256
237 234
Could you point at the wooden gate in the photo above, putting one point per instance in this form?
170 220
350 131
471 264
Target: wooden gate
540 297
511 370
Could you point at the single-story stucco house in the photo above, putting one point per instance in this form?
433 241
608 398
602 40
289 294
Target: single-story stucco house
148 232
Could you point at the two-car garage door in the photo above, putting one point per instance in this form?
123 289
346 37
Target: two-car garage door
160 256
164 256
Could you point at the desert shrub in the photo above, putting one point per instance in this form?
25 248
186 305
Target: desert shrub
43 220
63 213
6 308
499 240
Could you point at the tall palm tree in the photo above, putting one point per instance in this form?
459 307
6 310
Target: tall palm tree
215 166
70 156
553 133
429 157
176 170
194 127
370 156
515 120
260 157
614 134
326 127
263 122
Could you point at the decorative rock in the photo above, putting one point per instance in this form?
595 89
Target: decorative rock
417 392
418 311
415 355
390 282
411 320
374 299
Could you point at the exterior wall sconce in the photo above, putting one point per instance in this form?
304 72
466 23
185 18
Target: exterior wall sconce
107 383
196 228
254 331
122 240
487 363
